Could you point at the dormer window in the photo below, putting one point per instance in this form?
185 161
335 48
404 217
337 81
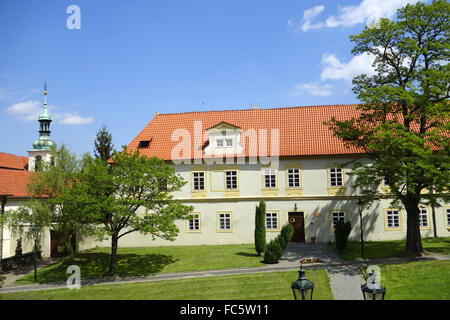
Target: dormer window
144 144
224 139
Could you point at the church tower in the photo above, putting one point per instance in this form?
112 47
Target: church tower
41 147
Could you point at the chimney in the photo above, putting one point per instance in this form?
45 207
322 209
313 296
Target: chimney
256 107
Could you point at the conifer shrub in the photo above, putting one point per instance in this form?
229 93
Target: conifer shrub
286 235
260 227
273 251
341 234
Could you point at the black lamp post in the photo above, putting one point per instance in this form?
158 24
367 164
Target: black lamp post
372 291
302 288
360 205
36 234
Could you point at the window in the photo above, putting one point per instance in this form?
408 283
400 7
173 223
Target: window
199 181
293 178
423 218
144 144
219 143
225 222
271 221
335 217
385 182
393 219
270 178
38 163
229 142
194 222
231 179
336 179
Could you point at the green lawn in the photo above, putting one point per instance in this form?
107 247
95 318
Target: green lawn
258 286
390 249
149 260
423 280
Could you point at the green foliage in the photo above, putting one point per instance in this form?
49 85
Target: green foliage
341 234
276 247
260 227
104 147
286 235
273 252
90 197
402 125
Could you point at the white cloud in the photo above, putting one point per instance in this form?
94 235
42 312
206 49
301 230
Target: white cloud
72 118
308 16
334 69
368 12
30 111
312 88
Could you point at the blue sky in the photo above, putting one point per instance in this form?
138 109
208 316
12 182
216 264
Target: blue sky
131 59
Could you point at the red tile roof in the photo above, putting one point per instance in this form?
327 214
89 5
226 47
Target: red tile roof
14 182
301 129
11 161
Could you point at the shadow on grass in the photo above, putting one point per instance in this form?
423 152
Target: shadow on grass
246 254
96 265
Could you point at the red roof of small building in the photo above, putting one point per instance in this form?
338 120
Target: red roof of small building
11 161
13 183
301 130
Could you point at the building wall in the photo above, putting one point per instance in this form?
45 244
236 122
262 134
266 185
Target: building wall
10 239
315 198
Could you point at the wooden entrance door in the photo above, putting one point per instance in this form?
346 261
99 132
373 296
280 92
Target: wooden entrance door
298 222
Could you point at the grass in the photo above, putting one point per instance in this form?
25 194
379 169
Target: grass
424 280
94 263
390 249
258 286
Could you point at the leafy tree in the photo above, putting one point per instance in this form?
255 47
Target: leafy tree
402 125
44 209
104 147
260 227
132 195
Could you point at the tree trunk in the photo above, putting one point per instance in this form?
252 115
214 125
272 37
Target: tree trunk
414 246
113 259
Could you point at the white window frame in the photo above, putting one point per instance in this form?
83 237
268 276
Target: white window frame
294 177
224 223
231 180
194 224
337 215
272 220
198 181
272 174
336 174
393 219
229 142
423 217
219 143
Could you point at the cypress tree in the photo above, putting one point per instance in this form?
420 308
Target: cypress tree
260 227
